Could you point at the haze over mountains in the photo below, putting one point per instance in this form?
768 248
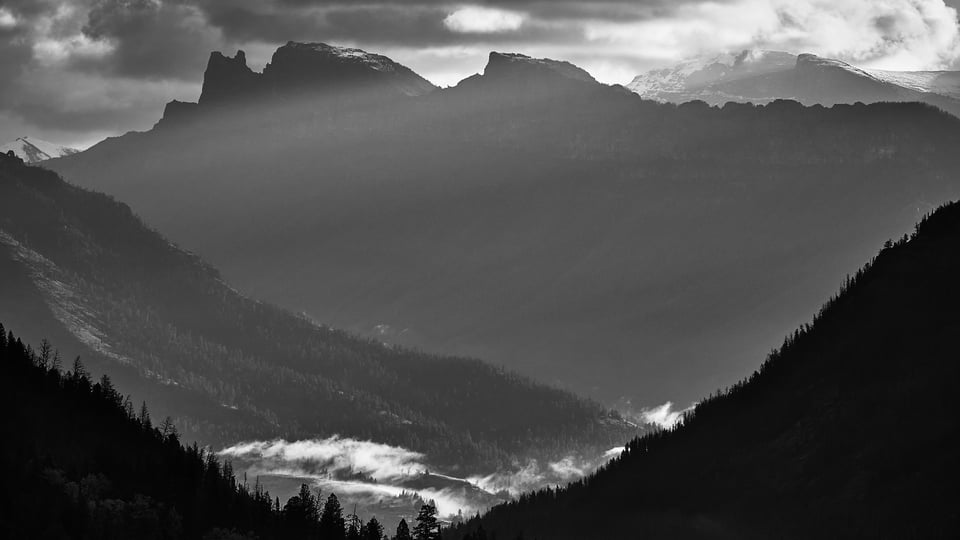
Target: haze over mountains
823 441
81 270
759 76
529 215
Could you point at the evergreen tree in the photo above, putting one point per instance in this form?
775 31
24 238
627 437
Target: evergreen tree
46 354
373 530
427 527
332 523
354 525
403 531
302 513
144 417
79 372
108 390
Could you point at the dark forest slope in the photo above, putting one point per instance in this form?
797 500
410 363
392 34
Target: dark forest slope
80 269
78 464
848 430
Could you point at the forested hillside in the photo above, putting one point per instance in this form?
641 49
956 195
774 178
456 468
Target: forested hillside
537 218
846 431
82 461
81 269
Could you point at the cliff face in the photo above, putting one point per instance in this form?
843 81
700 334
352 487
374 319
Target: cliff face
299 70
227 78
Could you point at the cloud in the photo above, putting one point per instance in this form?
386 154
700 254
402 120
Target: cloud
902 34
367 472
533 475
146 47
332 456
483 20
663 416
7 19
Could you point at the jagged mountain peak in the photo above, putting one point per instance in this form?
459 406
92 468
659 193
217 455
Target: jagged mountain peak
307 68
226 77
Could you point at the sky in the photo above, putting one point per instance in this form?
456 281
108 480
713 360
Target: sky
76 71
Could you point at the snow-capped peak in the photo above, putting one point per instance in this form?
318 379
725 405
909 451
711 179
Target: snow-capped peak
374 61
33 150
695 73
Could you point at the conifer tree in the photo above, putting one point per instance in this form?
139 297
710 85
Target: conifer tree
144 417
403 531
373 530
427 527
46 353
332 523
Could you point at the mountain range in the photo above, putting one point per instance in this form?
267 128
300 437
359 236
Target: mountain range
530 215
760 76
847 430
637 251
81 270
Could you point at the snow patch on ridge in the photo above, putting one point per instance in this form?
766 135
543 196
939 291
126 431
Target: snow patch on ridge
62 297
33 150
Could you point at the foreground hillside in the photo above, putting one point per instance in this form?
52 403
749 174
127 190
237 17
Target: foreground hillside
78 464
532 216
80 269
85 463
848 430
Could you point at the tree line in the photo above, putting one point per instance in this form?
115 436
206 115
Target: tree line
82 461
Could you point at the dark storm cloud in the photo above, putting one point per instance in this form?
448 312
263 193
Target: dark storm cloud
111 64
403 23
151 39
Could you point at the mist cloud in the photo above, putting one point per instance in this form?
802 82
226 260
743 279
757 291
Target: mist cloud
368 472
332 456
664 416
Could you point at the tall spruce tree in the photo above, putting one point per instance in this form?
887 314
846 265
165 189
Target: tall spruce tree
403 531
332 523
427 527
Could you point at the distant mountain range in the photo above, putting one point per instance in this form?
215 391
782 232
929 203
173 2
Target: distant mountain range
83 271
846 431
33 150
760 76
530 215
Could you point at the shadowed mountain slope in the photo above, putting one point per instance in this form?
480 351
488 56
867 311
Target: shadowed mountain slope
80 269
846 431
536 218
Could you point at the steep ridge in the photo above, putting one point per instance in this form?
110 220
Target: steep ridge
81 268
846 431
559 226
298 71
